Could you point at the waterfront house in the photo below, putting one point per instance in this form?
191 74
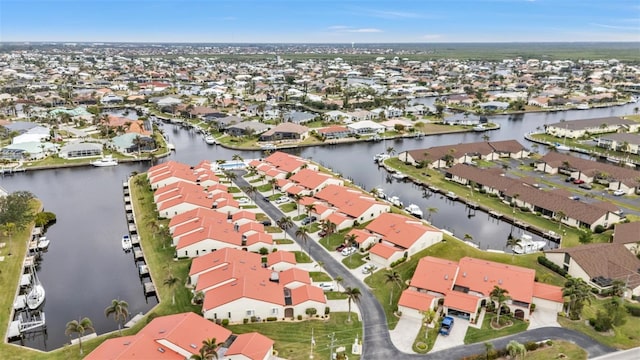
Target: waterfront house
313 180
449 155
171 171
599 265
465 287
577 128
247 128
75 150
399 236
298 117
180 336
285 131
366 127
132 143
334 132
219 259
626 142
353 203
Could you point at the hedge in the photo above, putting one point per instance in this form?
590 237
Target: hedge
551 265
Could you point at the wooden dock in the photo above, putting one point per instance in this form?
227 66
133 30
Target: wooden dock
138 254
149 289
495 214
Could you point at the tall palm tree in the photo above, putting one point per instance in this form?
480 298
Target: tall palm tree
559 215
79 327
250 190
395 279
500 297
297 198
577 292
327 226
516 349
353 294
210 348
231 176
120 311
285 223
391 151
237 157
309 208
350 239
273 182
171 281
303 234
339 281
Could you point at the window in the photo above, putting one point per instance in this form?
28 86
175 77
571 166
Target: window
274 311
567 258
229 313
251 312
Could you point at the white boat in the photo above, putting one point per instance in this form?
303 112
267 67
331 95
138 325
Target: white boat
561 147
268 146
209 139
43 243
394 200
380 193
480 128
526 245
35 297
126 243
381 157
414 210
107 160
582 106
399 176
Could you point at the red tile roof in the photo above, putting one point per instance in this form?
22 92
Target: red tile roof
281 256
383 250
285 162
435 274
309 179
254 346
245 287
399 229
416 300
482 275
348 201
547 292
220 258
461 301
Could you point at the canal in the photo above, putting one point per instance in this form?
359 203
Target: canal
85 268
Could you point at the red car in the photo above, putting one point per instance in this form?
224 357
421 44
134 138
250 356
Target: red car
578 181
341 247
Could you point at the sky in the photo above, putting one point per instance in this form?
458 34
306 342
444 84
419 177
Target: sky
320 21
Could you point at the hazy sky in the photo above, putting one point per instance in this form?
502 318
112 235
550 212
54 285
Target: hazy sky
310 21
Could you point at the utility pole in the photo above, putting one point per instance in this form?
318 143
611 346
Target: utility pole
331 345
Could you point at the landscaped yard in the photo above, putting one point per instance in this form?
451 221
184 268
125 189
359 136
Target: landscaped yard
317 276
302 257
293 339
487 333
624 337
354 261
570 351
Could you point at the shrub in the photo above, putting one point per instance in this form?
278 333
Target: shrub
398 262
602 322
225 322
532 307
272 318
44 218
245 321
531 345
299 317
254 319
327 310
263 251
311 311
634 310
599 229
551 265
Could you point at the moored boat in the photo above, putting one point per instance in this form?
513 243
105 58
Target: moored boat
209 139
414 210
107 160
43 243
36 294
395 201
526 245
126 243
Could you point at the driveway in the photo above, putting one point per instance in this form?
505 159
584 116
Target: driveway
455 338
405 333
543 318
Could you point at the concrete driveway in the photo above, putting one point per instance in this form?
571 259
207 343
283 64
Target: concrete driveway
455 338
543 318
405 333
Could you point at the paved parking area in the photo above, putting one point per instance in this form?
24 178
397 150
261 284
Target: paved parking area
543 318
455 338
405 333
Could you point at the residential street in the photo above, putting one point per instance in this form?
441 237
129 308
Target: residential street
377 342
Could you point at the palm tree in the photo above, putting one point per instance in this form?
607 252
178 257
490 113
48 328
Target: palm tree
500 297
273 182
309 208
428 316
250 190
327 226
9 229
231 176
297 198
339 281
578 292
559 215
468 237
210 348
303 234
395 279
489 349
285 223
79 327
171 281
486 137
138 142
237 157
120 311
391 151
353 294
350 239
431 211
201 355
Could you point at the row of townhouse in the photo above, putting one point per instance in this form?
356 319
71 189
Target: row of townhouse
180 336
464 287
616 177
578 128
437 157
546 203
237 286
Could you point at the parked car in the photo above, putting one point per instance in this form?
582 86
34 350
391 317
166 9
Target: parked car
308 220
569 179
341 247
619 192
322 233
369 268
243 200
446 325
266 222
282 200
574 197
349 250
585 186
578 181
326 286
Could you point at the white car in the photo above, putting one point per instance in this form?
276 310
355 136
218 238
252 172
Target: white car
326 286
369 269
619 192
348 251
243 200
282 200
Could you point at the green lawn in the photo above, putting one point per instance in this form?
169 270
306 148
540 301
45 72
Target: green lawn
283 241
264 188
273 230
288 207
314 227
319 276
354 261
335 295
423 345
302 257
487 333
570 351
233 190
293 339
624 337
332 241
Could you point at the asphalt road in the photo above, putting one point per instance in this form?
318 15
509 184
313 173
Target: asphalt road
377 341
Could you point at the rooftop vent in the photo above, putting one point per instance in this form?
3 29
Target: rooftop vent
500 281
193 346
486 278
446 276
464 274
161 350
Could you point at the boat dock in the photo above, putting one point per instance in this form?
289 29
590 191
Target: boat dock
149 289
495 214
134 320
